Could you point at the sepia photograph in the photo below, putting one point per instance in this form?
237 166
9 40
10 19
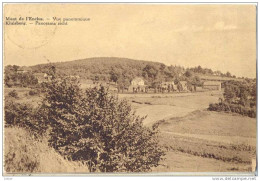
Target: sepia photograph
129 88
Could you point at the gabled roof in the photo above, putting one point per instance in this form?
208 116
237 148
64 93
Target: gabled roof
138 79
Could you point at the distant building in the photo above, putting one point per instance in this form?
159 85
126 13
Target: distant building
23 70
170 86
137 85
87 83
198 89
184 85
112 89
166 84
42 77
137 81
212 85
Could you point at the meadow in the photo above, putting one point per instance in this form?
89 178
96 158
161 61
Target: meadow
197 140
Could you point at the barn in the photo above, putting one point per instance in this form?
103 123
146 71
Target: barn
212 85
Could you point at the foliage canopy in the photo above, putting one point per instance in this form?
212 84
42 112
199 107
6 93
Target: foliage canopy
100 130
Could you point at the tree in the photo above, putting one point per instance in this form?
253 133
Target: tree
228 74
243 95
229 93
100 130
199 69
114 75
13 78
188 73
196 81
151 71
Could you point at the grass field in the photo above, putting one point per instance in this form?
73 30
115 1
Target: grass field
197 140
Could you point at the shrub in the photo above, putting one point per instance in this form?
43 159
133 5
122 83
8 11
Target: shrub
224 106
13 94
33 92
98 129
25 116
16 113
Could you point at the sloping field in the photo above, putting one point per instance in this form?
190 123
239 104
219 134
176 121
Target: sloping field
226 139
158 107
23 154
159 112
198 140
212 123
182 162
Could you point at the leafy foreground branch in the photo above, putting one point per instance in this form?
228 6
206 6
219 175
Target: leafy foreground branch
96 128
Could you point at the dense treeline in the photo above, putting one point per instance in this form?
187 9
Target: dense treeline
239 97
207 71
123 70
13 78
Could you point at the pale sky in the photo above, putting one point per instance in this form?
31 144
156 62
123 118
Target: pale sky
220 37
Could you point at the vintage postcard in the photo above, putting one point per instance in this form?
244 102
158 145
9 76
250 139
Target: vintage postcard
160 88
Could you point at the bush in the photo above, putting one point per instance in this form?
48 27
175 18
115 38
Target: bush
13 94
98 129
16 113
236 108
25 116
33 92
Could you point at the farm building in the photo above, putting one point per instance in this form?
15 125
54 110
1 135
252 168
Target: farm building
42 77
184 85
137 81
170 86
199 89
112 89
86 83
23 70
166 84
212 85
137 85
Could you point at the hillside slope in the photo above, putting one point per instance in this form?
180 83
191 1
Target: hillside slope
105 68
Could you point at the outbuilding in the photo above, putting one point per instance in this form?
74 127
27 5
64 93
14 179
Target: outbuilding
212 85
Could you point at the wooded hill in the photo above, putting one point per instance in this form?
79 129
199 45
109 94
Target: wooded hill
124 70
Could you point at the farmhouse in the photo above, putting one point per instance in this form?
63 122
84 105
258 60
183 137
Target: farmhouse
212 85
137 85
137 81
